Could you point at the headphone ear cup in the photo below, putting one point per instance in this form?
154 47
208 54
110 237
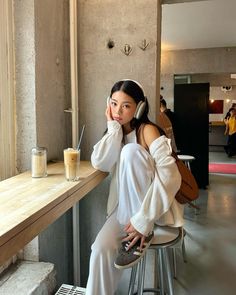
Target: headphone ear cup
140 110
108 100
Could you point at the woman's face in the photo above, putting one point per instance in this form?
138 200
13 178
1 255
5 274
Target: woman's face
233 112
123 107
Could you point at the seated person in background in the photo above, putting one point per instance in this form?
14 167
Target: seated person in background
168 112
165 123
230 123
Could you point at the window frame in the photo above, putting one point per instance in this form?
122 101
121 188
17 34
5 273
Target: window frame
7 91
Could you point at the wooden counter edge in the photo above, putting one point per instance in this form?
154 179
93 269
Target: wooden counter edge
18 241
76 187
217 123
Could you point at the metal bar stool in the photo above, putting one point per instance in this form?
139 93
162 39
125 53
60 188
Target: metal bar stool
187 159
165 238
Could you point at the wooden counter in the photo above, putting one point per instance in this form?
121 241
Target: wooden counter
28 205
217 123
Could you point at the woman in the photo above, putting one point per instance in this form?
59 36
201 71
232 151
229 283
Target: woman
231 127
144 182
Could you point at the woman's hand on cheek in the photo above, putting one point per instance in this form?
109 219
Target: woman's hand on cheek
133 236
108 113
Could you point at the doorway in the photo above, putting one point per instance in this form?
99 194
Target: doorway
192 137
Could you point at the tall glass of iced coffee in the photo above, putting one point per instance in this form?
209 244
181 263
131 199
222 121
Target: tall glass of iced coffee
71 162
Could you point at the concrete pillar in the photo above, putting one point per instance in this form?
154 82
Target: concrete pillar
104 32
42 94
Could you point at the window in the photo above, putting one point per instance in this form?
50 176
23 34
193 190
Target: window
7 116
182 79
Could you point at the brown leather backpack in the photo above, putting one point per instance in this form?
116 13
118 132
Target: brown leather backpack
188 191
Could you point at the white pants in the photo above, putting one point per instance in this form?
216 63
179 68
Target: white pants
136 171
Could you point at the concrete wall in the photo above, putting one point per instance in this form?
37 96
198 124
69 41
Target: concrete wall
53 124
42 90
52 76
178 1
42 78
99 68
195 61
210 60
42 94
25 82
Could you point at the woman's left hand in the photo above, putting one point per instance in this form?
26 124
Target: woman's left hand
108 113
133 236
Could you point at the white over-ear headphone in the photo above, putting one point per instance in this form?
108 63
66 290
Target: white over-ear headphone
136 82
140 109
108 100
141 105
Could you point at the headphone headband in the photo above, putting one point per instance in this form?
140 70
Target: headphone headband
136 82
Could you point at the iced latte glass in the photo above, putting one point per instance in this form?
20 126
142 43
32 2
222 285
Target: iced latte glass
71 162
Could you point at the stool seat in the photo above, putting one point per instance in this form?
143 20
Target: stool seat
164 237
186 157
164 234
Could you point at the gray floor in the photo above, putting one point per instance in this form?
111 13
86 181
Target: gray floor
210 239
221 157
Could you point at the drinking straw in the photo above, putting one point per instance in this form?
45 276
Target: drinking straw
80 139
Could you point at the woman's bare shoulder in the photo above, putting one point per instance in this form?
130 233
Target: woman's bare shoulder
150 133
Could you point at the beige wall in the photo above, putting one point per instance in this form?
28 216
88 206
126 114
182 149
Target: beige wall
25 81
42 78
42 74
52 74
43 92
99 67
195 61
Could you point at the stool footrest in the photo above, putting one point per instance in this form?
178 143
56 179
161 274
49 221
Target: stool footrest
153 290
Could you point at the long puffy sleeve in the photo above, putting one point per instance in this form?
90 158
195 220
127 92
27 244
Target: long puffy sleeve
159 205
106 152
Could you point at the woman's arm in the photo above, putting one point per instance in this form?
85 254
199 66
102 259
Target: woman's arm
107 150
162 191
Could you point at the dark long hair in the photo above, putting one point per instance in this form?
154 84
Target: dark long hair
134 90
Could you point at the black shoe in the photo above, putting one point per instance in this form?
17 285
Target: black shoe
126 259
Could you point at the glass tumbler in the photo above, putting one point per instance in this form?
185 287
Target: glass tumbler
39 162
72 163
